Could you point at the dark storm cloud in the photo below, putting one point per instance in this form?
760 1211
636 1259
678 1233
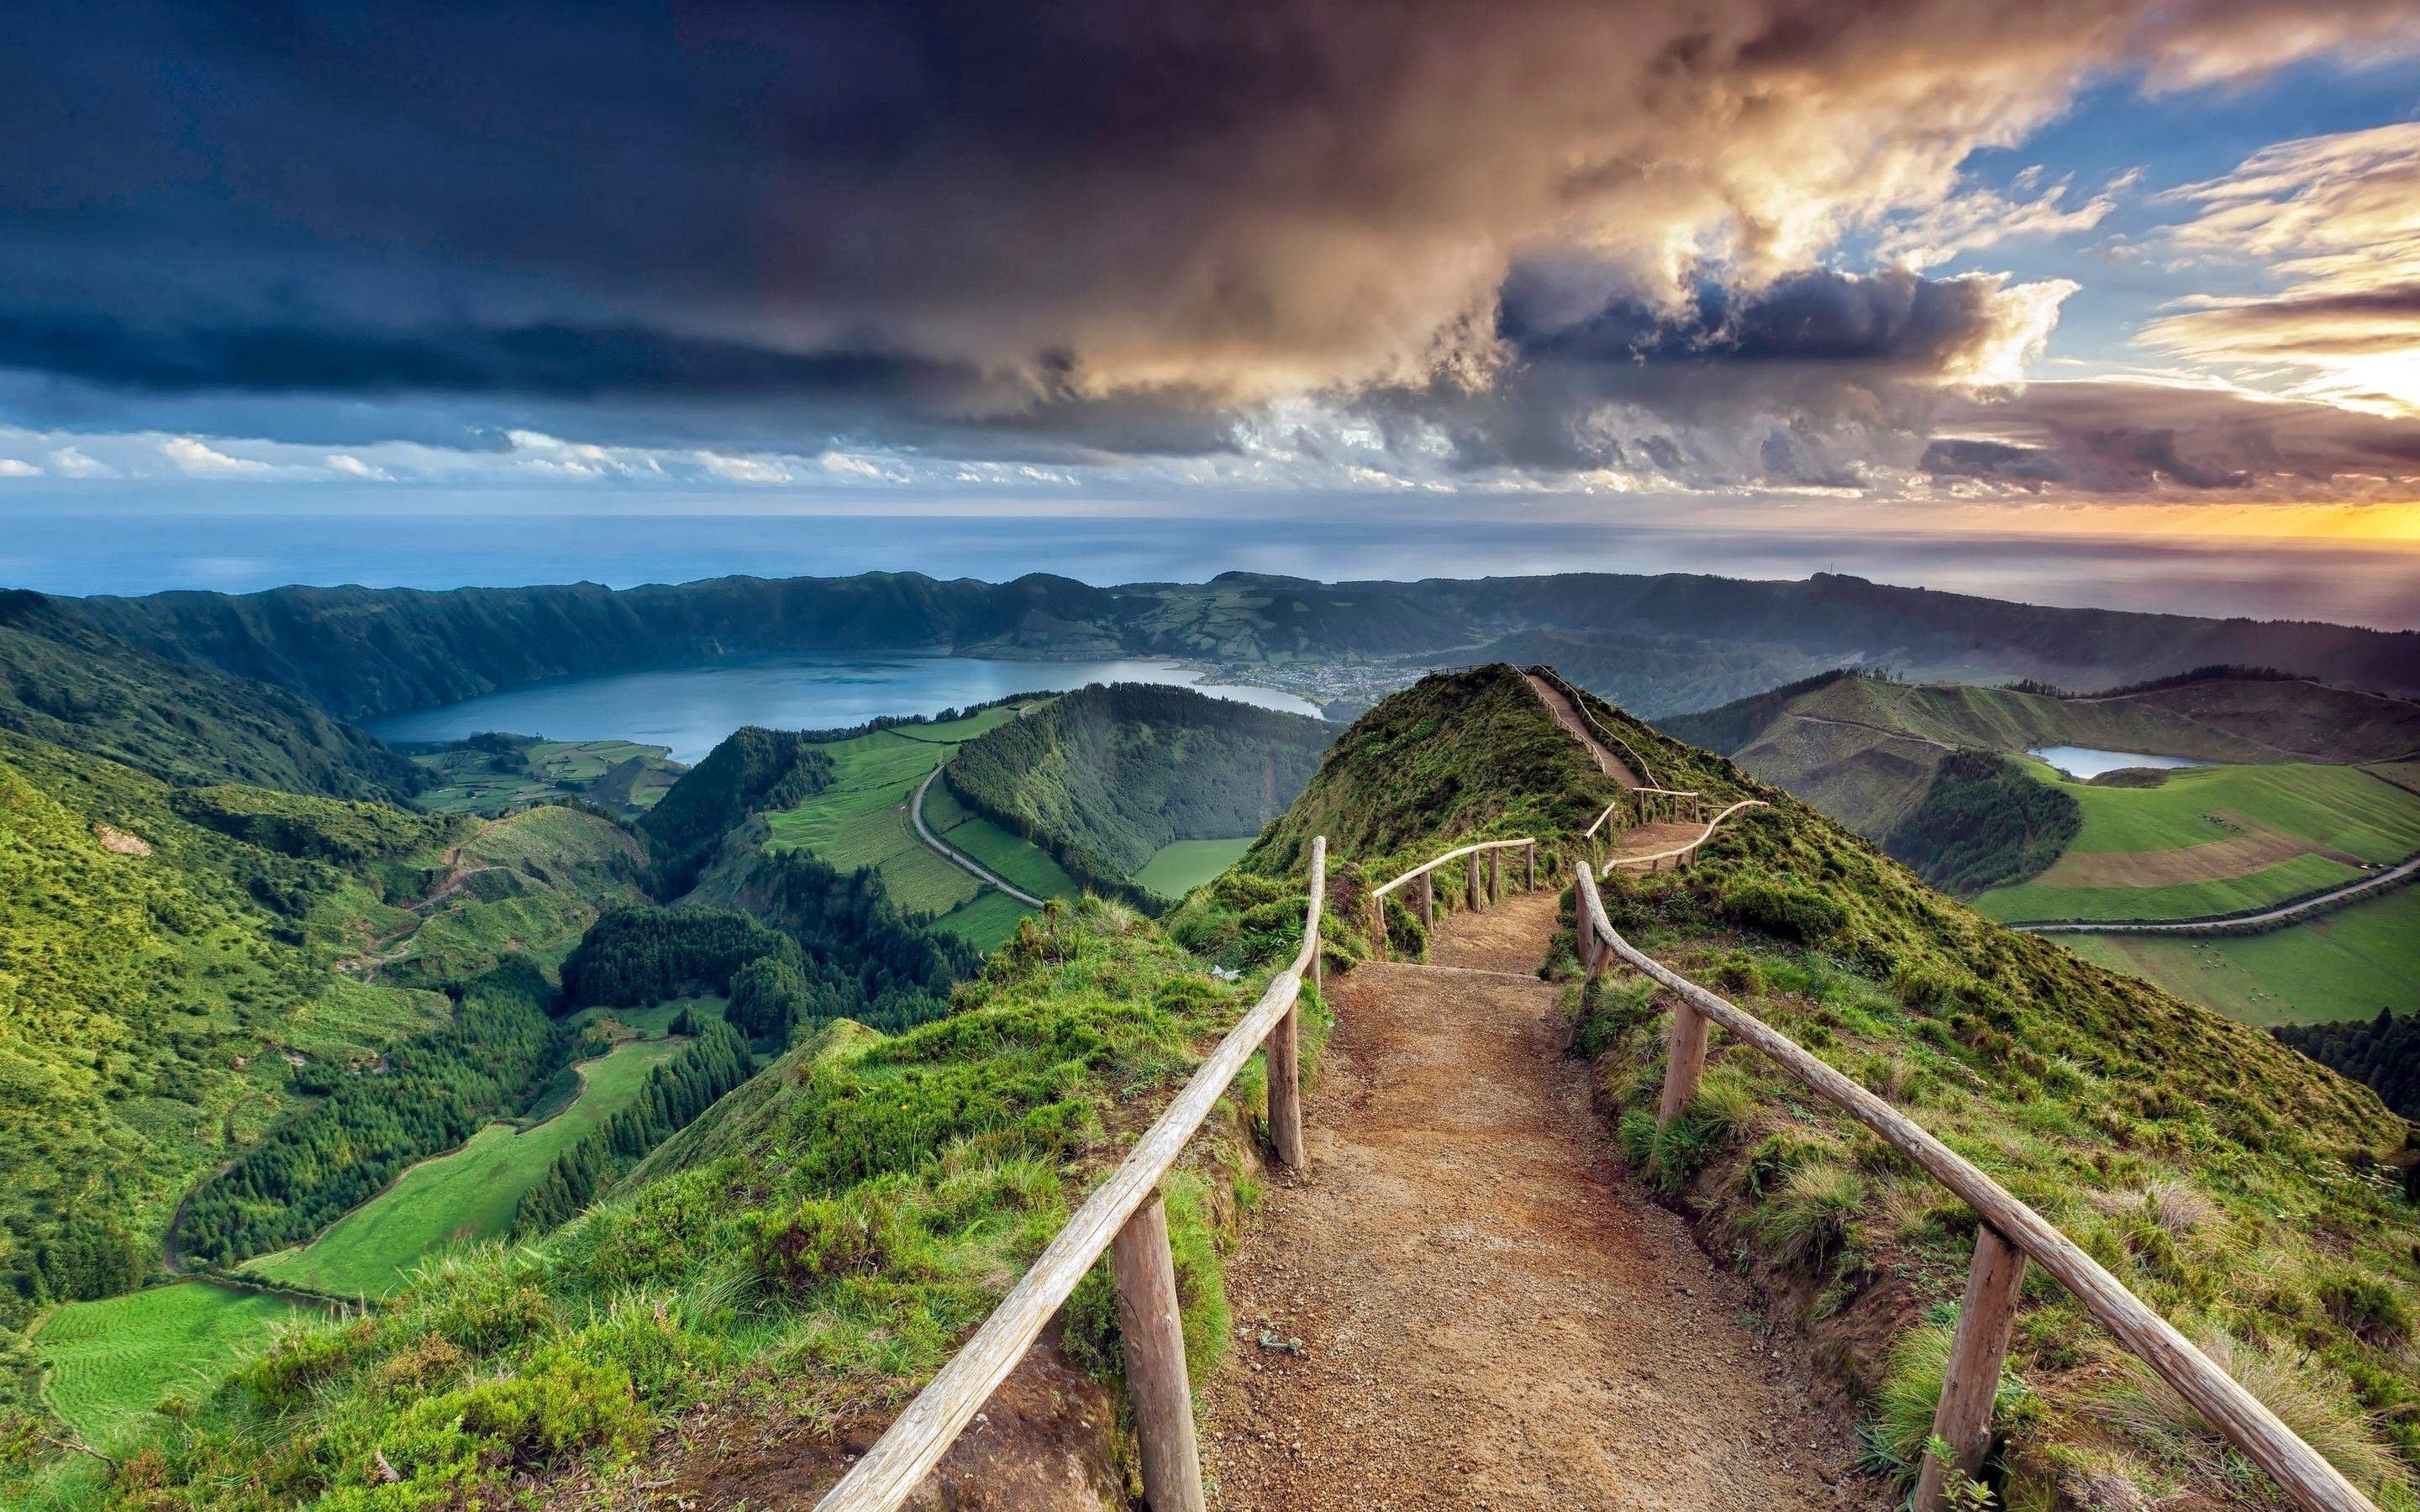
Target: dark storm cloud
1099 225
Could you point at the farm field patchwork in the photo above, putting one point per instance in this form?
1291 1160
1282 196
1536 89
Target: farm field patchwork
462 1196
2344 964
2216 840
111 1361
986 921
1181 866
473 780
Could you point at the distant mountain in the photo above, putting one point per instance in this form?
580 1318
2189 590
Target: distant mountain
1660 644
1104 776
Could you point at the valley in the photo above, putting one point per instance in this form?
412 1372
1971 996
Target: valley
511 1028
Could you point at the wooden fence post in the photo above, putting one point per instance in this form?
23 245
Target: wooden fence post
1378 929
1495 878
1963 1419
1286 1086
1155 1357
1428 899
1684 1062
1529 854
1473 901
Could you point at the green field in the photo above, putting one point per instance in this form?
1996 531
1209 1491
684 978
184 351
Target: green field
463 1197
483 783
1181 866
862 820
2348 964
2290 806
111 1361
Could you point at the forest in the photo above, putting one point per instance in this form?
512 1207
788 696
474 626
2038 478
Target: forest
1984 822
675 1094
2383 1052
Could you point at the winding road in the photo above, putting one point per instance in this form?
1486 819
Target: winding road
2285 914
958 859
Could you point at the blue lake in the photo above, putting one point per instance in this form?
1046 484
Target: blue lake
691 708
2085 761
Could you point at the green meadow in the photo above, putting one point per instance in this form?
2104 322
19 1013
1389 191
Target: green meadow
111 1362
2347 964
462 1196
472 781
1180 865
2342 809
861 819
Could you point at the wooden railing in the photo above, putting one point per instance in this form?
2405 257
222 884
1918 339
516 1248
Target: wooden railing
1579 703
1682 854
2009 1234
1125 1218
1649 805
1481 884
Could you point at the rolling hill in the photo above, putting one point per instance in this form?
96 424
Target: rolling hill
1107 778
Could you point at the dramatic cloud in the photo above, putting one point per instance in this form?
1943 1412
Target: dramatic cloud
2106 438
1450 235
2337 220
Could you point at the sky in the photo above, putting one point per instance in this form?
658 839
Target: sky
1946 271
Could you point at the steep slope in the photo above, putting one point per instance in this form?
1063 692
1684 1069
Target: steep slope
1105 777
63 682
2211 1169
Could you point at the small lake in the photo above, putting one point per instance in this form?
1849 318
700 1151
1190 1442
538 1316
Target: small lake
2085 761
691 708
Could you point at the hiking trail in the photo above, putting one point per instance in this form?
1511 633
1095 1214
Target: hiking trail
1490 1313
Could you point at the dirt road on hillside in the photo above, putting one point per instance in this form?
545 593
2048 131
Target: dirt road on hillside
1568 715
1489 1314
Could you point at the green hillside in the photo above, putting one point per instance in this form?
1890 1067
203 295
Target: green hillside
466 1194
2344 964
111 1362
494 774
68 684
1105 778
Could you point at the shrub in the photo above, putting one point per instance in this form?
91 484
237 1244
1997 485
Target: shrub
1778 908
566 1405
2366 1307
819 1241
1901 1431
2306 1397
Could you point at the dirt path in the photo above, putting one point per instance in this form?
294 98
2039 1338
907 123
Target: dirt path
1489 1314
1641 840
1568 716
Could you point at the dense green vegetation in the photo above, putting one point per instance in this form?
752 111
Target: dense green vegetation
1102 779
66 683
308 828
466 1194
753 771
155 978
869 1197
496 773
675 1094
112 1362
2385 1054
499 1048
892 972
635 956
2346 963
1984 822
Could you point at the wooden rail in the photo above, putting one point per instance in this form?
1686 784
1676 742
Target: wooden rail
1579 702
1680 854
1480 889
1126 1219
2012 1234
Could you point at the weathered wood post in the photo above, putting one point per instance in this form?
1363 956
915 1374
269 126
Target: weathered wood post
1285 1084
1473 901
1529 854
1145 1272
1495 877
1428 899
1685 1061
1378 940
1963 1419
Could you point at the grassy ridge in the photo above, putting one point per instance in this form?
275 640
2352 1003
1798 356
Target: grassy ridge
2217 1173
463 1197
